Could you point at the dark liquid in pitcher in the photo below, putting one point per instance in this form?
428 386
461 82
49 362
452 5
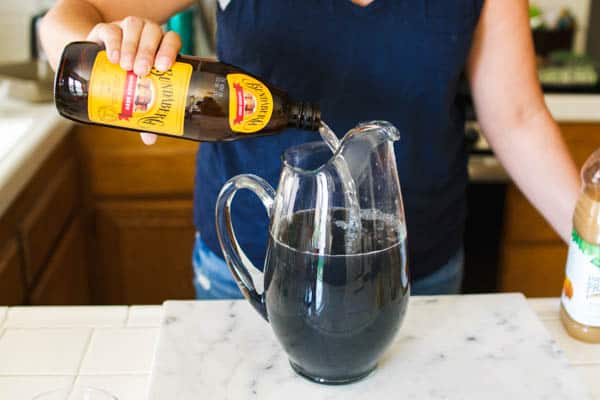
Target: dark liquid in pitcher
336 314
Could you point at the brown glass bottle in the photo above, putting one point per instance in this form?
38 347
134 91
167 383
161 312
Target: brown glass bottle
208 101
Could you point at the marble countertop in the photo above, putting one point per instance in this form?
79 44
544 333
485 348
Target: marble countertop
43 348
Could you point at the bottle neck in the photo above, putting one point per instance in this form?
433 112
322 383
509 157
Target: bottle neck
304 116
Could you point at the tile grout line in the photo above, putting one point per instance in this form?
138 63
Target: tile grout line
130 374
88 345
128 317
36 375
2 322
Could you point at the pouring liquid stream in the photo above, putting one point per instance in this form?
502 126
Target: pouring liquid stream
353 225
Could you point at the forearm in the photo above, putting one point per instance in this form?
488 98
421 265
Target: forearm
534 154
67 21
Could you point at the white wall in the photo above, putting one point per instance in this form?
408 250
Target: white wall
581 9
15 16
14 27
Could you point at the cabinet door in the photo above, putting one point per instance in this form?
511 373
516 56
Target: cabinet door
143 251
12 288
117 164
538 270
65 280
48 215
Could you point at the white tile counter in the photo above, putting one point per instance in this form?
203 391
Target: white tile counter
44 348
28 134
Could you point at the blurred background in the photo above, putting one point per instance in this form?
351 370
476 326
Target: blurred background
89 215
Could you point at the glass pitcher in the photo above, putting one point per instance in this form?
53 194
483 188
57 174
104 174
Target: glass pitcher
336 281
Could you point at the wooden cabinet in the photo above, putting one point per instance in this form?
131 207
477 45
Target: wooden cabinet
65 280
118 165
45 221
43 247
143 251
12 285
105 220
139 199
535 269
108 220
533 256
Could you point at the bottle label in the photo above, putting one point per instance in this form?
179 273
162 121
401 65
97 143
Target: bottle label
250 104
153 103
581 288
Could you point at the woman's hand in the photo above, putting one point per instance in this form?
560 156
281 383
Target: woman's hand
137 44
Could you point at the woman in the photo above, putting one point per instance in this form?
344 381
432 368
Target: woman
403 61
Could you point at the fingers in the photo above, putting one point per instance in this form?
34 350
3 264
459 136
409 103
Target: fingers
110 35
167 52
132 30
150 39
137 44
148 138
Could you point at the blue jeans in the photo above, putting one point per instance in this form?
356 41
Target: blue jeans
446 280
213 279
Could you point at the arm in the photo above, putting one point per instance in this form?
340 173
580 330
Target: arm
105 21
136 43
512 113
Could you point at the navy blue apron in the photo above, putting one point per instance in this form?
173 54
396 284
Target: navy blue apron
394 60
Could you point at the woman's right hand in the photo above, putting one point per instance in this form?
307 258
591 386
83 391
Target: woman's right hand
137 44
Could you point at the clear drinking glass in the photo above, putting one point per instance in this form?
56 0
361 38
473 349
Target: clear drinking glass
76 393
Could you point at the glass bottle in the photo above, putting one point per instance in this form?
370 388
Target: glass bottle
580 301
196 99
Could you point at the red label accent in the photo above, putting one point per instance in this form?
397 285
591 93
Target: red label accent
239 94
128 96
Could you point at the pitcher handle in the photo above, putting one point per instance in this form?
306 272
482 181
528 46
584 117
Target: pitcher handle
236 259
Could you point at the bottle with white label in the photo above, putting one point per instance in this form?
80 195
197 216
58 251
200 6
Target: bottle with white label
580 301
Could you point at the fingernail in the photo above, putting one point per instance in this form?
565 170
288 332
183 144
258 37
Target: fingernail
127 63
162 64
142 68
148 138
114 56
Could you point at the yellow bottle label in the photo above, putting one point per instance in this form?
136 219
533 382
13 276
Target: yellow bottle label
153 103
250 104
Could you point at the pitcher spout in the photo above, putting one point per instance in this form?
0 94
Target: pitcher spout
381 130
355 147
